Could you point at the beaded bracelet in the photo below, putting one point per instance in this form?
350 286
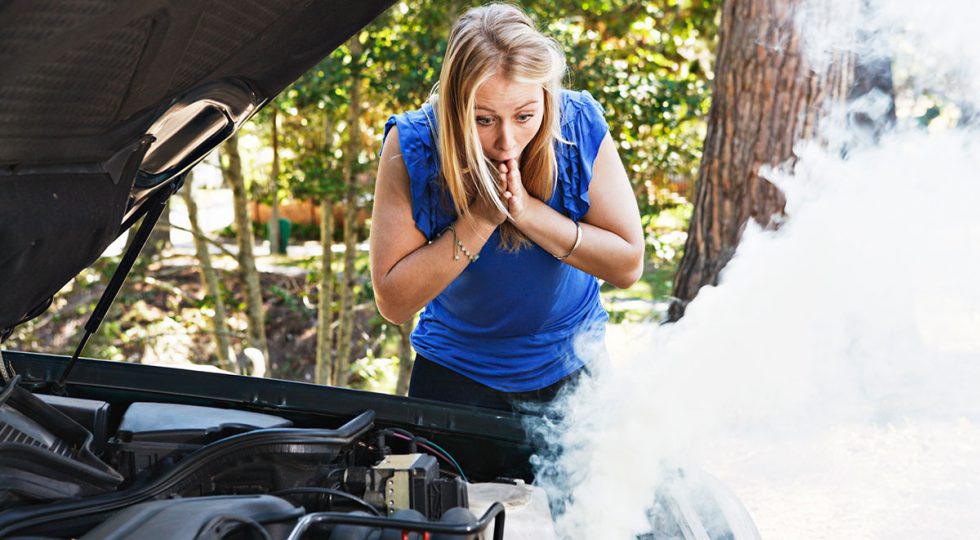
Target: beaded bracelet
578 240
460 247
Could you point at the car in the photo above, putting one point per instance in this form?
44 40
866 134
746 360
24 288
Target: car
104 107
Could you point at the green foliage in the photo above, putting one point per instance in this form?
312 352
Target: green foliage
648 63
666 230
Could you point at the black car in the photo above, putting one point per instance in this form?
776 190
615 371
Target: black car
104 106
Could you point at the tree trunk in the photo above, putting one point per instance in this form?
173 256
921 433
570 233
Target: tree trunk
765 98
273 225
209 280
405 360
324 334
248 273
346 310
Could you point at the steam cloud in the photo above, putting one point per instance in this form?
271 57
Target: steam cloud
831 379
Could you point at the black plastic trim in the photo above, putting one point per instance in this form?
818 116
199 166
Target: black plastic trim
495 513
487 443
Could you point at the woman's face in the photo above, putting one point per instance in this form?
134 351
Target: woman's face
508 115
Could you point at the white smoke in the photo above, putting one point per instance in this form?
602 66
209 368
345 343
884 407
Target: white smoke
831 378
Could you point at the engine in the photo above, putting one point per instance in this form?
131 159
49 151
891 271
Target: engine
73 467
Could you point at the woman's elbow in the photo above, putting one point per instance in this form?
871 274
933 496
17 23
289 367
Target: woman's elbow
631 272
390 308
393 316
625 280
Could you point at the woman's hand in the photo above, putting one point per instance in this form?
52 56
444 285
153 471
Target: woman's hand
486 211
514 194
511 189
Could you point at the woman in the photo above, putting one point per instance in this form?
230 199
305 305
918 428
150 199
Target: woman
497 206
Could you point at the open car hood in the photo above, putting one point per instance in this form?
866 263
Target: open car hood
104 102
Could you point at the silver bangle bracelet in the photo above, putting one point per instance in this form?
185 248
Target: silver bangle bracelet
578 240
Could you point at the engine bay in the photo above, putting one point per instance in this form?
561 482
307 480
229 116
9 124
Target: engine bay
73 467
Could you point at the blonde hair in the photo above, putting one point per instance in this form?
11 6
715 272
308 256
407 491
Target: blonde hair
484 41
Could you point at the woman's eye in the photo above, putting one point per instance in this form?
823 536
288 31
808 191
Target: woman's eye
524 117
484 120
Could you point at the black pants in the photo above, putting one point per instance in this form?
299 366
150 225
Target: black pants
433 381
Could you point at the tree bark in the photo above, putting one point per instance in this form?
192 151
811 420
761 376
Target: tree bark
346 310
247 270
209 280
765 98
405 361
324 332
273 225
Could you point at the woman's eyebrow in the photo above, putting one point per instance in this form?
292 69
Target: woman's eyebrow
532 102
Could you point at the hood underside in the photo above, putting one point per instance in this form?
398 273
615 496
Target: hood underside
102 101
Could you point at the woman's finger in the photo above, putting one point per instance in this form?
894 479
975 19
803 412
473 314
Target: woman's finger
514 177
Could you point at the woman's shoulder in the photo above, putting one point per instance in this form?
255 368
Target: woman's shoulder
583 126
424 115
583 120
416 135
419 123
579 105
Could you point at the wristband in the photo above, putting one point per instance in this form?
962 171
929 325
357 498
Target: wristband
460 247
578 240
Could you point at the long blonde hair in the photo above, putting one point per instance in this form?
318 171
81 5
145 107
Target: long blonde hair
484 41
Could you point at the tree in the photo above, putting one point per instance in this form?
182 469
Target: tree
275 242
405 361
765 98
231 168
346 326
324 336
209 280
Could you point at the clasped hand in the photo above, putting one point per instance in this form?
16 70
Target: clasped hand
511 190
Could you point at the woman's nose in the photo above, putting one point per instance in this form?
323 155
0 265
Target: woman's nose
506 139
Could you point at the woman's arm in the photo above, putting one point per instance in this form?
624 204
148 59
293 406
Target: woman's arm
407 271
612 237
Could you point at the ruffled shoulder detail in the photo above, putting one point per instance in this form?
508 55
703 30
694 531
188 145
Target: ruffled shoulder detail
584 126
417 135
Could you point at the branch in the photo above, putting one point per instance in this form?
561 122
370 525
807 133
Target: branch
202 236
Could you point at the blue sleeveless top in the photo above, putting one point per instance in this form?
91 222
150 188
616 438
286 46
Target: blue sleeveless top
510 319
